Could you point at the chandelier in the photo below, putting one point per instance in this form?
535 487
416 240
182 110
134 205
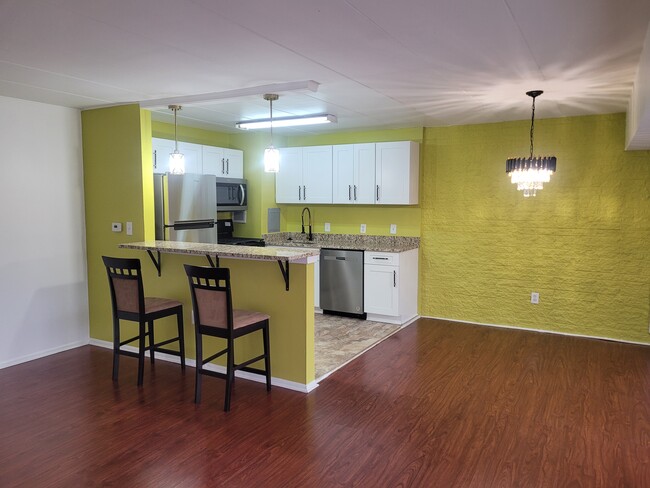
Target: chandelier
530 174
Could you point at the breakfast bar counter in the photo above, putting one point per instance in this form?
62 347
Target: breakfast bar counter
257 284
282 255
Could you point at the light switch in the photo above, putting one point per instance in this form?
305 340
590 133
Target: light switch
129 228
362 229
393 228
327 226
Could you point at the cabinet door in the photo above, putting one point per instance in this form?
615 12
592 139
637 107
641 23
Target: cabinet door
363 189
234 162
193 157
162 148
288 181
381 289
343 173
397 172
317 174
213 161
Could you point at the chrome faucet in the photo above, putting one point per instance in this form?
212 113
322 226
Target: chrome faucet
302 223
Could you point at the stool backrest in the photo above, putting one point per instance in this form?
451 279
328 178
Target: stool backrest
125 281
211 296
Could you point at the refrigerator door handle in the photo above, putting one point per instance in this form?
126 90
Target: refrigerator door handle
192 224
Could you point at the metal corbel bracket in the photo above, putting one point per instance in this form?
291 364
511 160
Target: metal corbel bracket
284 268
156 262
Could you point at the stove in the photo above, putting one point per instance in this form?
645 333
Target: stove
225 229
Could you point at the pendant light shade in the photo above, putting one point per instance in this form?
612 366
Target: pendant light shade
271 154
176 158
530 173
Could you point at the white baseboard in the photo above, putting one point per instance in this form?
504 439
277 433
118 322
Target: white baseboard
42 354
279 382
543 331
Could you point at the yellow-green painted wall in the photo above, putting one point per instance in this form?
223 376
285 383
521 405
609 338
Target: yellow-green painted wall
583 243
118 188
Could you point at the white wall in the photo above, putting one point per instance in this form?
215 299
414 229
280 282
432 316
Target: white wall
43 279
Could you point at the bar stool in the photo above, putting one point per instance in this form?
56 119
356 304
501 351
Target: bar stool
129 303
214 316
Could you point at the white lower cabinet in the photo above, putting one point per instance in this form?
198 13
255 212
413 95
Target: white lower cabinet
390 286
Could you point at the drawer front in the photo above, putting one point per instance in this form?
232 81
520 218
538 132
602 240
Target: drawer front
385 258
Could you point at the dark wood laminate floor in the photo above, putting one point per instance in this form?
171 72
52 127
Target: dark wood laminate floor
438 404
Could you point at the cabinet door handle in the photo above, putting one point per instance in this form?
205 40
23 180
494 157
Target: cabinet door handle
377 192
155 159
355 193
304 192
228 166
349 192
379 259
394 278
223 166
299 198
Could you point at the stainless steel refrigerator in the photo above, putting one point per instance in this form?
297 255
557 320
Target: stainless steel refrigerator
185 207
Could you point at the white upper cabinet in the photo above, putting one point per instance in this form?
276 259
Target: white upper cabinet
317 174
224 163
397 173
353 173
162 148
234 162
305 175
213 162
193 157
199 159
288 181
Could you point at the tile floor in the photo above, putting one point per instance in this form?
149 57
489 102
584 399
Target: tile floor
338 340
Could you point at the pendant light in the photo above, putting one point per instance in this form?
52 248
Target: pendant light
176 158
271 154
530 174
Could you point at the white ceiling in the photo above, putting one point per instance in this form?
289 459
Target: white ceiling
379 63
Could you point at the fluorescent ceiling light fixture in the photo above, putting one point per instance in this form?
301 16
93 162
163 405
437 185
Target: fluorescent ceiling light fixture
286 121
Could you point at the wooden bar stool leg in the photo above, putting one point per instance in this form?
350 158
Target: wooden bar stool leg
181 338
199 368
116 347
152 342
230 373
141 348
267 356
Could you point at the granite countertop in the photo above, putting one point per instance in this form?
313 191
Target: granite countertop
271 253
343 241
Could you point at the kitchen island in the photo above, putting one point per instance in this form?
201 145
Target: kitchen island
285 294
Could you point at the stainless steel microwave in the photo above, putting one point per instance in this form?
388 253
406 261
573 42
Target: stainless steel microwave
232 194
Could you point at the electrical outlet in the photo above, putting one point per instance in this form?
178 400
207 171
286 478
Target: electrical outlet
129 228
116 226
534 297
362 229
327 226
393 228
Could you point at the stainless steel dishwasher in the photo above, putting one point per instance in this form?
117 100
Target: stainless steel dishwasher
341 281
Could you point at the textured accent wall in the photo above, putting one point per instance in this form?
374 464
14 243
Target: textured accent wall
583 243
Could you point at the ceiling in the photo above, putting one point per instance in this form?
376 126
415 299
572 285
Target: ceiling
377 63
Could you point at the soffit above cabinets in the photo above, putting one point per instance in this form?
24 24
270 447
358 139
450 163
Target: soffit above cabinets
379 64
